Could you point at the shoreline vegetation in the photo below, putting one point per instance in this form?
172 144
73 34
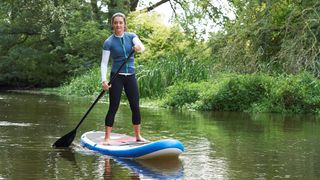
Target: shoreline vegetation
223 92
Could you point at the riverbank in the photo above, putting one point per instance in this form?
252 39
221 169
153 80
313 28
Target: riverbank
224 92
249 93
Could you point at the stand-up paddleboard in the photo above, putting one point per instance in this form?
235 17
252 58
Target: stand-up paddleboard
125 146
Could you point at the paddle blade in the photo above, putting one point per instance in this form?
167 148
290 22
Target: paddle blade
65 140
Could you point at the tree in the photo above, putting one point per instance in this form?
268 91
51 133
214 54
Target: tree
30 31
270 36
43 42
194 16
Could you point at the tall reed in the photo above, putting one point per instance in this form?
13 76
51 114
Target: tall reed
84 85
155 76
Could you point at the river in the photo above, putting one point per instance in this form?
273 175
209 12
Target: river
218 145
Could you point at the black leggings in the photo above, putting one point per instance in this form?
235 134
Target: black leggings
129 83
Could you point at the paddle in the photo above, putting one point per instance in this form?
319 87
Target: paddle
67 139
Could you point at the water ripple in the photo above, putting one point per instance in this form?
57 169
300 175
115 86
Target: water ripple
7 123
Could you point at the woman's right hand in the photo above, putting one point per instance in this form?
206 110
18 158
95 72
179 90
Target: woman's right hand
105 86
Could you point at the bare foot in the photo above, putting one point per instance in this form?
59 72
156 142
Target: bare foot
106 142
141 139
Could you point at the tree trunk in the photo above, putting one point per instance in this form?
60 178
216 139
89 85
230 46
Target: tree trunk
133 5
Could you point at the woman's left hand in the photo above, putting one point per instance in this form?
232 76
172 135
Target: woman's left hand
136 48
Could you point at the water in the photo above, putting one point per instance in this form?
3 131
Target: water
218 145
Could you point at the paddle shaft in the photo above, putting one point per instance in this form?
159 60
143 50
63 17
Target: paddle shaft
102 92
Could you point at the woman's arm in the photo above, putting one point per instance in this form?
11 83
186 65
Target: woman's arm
104 65
138 46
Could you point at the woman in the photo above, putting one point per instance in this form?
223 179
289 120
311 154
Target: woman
118 46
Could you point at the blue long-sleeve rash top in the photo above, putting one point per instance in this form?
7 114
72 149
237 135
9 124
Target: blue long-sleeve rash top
119 48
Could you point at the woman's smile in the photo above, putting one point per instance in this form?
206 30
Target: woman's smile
118 25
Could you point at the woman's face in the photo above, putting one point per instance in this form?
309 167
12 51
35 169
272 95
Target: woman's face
118 25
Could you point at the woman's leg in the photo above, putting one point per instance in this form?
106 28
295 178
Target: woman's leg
132 92
114 99
136 129
107 135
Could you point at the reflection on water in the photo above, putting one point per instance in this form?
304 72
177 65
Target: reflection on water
218 145
206 164
155 169
108 168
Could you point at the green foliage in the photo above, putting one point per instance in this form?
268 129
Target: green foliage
240 92
85 85
30 65
300 48
42 43
295 94
198 17
269 36
170 56
254 93
26 52
84 47
158 74
184 94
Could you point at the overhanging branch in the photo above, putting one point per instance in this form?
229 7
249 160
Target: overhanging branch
147 9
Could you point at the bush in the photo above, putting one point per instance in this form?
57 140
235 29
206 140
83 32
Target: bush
84 85
253 93
183 94
299 93
241 92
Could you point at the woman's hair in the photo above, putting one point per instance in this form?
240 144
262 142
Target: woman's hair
118 14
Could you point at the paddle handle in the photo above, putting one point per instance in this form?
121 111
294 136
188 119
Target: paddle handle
102 92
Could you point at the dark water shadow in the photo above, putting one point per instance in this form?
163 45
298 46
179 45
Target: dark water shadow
67 154
62 163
